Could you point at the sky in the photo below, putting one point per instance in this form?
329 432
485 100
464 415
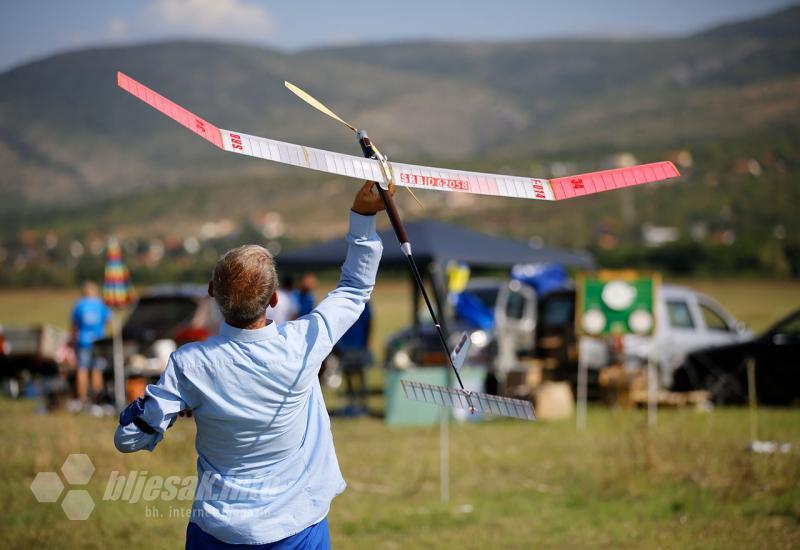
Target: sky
31 29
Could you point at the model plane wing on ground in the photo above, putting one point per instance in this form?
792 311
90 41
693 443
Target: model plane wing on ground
407 175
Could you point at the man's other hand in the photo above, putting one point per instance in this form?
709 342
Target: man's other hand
368 201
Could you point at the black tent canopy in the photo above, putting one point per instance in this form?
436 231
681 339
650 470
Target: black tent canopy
438 242
435 243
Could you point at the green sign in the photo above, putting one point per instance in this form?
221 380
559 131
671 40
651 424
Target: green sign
613 303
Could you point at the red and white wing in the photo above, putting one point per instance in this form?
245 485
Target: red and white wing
462 181
424 177
201 127
302 156
407 175
254 146
607 180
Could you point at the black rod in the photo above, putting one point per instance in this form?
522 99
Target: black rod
405 245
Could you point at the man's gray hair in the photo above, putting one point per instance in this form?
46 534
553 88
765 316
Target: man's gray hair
244 281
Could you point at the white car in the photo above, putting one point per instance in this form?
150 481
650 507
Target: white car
686 320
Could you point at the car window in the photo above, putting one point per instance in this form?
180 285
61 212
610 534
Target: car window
713 319
679 314
515 305
559 311
160 315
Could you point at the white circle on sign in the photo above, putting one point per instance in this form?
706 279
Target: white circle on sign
640 321
618 295
593 321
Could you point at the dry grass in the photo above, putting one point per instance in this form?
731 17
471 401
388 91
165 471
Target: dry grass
688 483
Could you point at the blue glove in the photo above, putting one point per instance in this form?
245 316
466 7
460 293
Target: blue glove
131 414
133 411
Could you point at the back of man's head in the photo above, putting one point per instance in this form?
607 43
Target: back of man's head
244 280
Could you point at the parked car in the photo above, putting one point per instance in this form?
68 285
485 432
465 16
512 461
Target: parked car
512 305
686 320
722 370
35 348
543 327
525 325
34 352
163 319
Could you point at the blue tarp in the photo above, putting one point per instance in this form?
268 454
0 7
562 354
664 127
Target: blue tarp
543 278
472 310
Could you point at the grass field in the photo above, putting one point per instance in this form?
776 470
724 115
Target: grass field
689 482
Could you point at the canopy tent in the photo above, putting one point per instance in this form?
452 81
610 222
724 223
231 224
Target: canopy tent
438 242
435 243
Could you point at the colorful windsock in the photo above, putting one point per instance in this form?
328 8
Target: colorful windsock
117 281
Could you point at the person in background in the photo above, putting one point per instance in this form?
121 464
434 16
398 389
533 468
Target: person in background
286 308
305 295
354 356
88 323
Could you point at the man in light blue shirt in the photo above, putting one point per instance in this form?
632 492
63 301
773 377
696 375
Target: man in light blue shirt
267 468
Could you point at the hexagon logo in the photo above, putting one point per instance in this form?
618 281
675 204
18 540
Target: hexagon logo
78 505
47 487
77 469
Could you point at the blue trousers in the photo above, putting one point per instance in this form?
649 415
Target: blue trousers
316 537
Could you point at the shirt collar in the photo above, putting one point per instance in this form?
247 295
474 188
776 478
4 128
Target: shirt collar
248 335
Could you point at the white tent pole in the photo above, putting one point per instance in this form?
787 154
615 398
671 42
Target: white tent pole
580 416
444 455
119 366
752 398
652 387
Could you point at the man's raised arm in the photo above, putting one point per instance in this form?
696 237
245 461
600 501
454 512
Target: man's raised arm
342 307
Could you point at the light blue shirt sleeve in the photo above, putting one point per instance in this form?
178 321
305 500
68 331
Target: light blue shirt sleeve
323 327
163 401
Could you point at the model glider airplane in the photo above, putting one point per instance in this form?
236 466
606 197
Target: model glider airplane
376 167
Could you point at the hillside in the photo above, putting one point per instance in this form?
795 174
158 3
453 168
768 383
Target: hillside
67 135
80 157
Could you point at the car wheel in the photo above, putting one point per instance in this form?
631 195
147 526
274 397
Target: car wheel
725 389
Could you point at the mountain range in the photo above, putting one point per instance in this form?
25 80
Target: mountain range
73 147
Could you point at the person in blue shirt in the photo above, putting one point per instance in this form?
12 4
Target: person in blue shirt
266 465
88 321
304 296
354 356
